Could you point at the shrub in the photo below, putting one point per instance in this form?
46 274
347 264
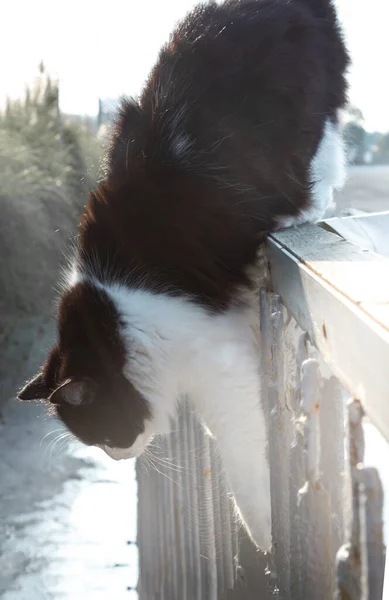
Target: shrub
48 162
43 152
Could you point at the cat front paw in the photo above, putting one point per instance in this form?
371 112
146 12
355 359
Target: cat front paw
260 532
257 522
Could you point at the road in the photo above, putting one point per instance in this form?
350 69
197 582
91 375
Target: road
367 189
67 513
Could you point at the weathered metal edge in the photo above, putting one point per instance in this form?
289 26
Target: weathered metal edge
353 343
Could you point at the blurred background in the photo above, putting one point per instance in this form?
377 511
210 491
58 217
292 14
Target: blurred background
67 514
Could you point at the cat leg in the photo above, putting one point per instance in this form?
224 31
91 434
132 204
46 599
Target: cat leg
247 469
229 404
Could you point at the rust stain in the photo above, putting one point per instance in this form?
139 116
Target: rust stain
207 474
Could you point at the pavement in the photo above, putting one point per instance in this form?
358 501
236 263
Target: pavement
67 513
367 189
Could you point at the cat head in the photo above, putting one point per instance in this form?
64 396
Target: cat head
83 377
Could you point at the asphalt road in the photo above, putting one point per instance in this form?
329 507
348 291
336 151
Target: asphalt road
367 189
67 513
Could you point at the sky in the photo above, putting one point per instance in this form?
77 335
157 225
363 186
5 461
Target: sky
106 48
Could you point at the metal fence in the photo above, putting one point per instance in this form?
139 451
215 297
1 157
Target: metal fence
324 363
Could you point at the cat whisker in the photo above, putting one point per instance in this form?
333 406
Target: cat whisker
50 433
167 465
154 466
64 444
54 443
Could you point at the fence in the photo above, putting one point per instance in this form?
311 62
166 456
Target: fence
325 362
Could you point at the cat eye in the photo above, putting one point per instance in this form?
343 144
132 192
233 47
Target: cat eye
74 392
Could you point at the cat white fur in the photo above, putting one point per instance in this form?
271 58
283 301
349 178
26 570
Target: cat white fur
177 348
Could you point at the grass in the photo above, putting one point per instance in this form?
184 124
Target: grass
43 152
48 163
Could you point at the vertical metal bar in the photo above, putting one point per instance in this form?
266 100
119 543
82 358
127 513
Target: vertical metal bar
164 547
315 514
333 460
193 458
180 513
372 543
280 429
269 402
154 540
147 550
296 480
140 533
209 521
172 508
188 503
216 469
170 578
199 439
349 566
228 549
158 535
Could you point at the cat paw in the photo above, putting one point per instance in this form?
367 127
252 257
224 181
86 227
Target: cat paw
261 534
257 523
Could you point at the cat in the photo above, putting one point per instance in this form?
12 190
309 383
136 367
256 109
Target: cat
234 135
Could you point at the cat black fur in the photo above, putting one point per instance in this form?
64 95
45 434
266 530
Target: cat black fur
201 168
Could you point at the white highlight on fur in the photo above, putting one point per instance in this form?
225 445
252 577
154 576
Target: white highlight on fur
181 145
177 348
72 276
328 172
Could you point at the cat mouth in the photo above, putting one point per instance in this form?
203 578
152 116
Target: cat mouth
134 451
118 453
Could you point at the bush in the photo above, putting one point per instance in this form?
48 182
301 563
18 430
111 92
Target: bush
41 152
48 163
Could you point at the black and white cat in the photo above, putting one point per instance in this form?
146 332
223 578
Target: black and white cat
234 135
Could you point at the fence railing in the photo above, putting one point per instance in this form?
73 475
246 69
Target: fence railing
324 315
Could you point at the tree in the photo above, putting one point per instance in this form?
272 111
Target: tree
354 114
355 139
383 148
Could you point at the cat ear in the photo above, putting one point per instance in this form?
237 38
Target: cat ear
74 392
35 389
